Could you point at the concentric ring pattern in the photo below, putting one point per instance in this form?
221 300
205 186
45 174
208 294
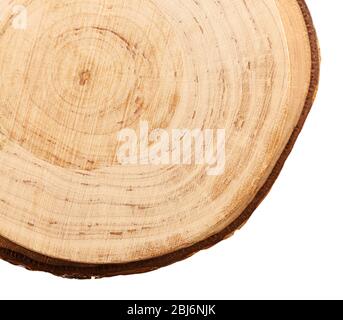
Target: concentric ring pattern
82 71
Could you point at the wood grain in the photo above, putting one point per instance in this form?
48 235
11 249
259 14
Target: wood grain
84 70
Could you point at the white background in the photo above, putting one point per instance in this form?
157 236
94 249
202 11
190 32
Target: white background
292 248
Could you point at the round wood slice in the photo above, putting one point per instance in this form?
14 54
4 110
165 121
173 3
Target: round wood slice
77 75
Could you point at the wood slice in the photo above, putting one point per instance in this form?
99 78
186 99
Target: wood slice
93 95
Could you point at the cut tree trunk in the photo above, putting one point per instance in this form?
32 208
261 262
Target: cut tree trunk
86 84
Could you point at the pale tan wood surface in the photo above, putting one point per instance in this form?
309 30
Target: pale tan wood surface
83 70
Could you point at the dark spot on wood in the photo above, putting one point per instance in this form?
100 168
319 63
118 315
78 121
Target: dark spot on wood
116 233
84 77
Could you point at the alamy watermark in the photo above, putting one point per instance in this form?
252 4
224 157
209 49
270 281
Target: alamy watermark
173 147
18 17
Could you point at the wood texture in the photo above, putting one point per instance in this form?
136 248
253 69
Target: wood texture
81 71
